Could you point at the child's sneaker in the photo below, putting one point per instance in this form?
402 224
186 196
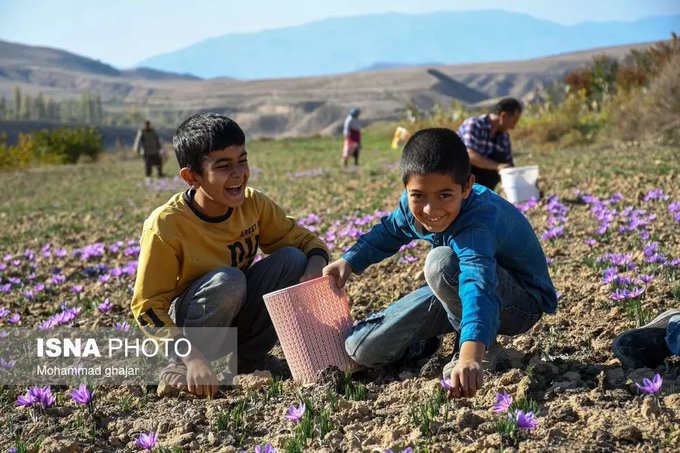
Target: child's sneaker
493 358
277 367
173 378
644 347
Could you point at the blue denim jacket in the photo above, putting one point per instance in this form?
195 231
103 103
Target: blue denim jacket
488 231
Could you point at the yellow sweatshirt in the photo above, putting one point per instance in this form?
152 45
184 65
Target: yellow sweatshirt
179 245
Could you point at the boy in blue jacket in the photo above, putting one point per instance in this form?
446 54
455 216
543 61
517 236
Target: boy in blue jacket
486 274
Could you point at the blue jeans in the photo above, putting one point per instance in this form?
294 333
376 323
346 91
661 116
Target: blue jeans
229 297
673 335
435 309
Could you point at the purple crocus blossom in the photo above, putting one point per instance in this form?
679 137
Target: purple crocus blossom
651 387
503 402
122 326
82 395
553 233
524 420
7 364
105 306
646 278
446 384
655 194
266 449
14 319
146 441
295 414
40 397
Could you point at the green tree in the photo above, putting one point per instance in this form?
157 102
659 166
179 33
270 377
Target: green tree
25 107
17 103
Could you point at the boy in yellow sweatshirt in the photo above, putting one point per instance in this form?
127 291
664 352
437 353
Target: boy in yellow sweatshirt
197 250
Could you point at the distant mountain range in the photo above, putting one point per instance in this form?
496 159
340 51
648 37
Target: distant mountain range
379 41
277 107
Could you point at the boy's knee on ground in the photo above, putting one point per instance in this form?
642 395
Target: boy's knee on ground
439 260
369 349
228 277
219 297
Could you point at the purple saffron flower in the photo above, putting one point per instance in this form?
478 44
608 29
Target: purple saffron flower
82 395
503 402
7 364
105 306
44 396
77 289
524 420
46 324
591 242
24 400
651 387
266 449
646 278
40 397
122 326
446 384
4 312
14 319
295 414
655 194
146 441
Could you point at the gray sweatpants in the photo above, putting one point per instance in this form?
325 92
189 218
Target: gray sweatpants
229 297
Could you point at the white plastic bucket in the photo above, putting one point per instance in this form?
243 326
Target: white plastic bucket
519 183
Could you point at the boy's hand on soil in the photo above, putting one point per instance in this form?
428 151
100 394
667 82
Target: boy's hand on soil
315 265
339 269
201 379
468 376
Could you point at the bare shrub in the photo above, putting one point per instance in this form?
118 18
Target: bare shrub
653 111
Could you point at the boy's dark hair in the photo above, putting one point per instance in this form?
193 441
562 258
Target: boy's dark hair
201 133
436 150
508 105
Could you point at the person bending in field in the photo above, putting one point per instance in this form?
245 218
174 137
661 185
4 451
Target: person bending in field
488 141
197 250
486 274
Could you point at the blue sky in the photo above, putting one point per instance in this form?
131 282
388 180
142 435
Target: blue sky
123 32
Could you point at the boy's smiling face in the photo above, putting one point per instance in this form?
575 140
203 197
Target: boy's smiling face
223 182
436 199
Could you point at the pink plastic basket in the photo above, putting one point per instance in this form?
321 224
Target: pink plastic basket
311 320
